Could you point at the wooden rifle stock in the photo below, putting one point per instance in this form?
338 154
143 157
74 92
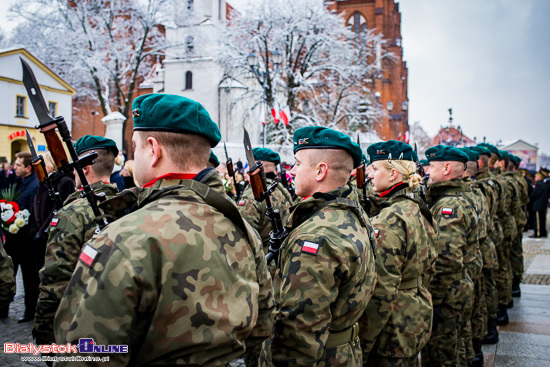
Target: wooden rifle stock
55 146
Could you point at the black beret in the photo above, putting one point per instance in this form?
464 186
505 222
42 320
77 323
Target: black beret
392 149
92 142
317 137
445 153
172 113
267 155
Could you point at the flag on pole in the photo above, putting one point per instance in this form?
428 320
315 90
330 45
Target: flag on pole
262 114
275 112
285 115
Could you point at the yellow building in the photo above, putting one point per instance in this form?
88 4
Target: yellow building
16 111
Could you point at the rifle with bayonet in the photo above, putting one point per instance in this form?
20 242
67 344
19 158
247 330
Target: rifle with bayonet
362 181
231 172
39 166
48 126
286 184
263 192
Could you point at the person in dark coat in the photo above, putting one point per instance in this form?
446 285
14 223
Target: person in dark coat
539 205
7 175
44 206
20 245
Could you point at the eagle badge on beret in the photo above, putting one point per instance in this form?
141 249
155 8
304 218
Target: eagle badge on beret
302 141
135 112
380 151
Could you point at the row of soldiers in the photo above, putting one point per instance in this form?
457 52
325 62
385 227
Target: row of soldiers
370 273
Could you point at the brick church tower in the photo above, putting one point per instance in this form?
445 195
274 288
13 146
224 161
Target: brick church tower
391 85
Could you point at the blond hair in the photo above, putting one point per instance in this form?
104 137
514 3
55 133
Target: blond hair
49 162
406 168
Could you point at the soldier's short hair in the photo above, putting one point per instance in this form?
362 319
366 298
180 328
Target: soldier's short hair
26 157
185 150
104 163
340 162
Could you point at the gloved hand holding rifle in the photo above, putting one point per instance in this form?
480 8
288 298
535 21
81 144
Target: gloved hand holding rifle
262 192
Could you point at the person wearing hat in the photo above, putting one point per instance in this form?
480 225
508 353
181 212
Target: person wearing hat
182 278
456 221
255 211
516 250
397 321
326 266
68 230
539 205
487 331
503 275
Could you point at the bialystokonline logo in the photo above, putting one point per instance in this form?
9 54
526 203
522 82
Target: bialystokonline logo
85 345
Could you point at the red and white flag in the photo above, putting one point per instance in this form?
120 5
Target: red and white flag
406 137
262 114
285 115
275 112
88 255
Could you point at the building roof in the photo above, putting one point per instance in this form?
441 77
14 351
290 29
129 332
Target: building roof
450 135
519 144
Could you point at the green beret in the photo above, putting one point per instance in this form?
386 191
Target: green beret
445 153
213 159
473 156
92 142
503 154
171 113
391 149
317 137
491 148
515 159
267 155
414 157
364 159
481 150
423 162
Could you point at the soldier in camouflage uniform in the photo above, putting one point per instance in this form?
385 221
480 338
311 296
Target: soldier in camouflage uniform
7 280
455 221
182 279
326 274
255 211
69 229
516 252
398 319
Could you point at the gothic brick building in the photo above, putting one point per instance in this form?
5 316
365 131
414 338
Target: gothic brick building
384 17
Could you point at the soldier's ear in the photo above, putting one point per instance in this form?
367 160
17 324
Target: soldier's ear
322 169
155 150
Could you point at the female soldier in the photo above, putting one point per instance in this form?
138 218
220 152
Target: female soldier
397 321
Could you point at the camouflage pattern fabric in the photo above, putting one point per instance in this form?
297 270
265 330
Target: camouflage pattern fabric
176 280
255 211
70 228
325 280
7 279
516 251
456 222
398 319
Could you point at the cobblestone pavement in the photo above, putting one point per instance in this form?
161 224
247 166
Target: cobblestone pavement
525 342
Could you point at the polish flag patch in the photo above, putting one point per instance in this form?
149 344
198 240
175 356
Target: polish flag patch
54 222
88 255
310 247
447 211
376 232
241 202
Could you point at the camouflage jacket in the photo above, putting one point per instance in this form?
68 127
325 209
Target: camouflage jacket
472 254
255 211
397 320
7 279
175 280
69 229
486 244
325 280
455 220
522 198
507 197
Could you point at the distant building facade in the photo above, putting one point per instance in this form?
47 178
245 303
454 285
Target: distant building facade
384 16
527 152
17 113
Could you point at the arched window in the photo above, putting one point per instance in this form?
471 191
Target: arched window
189 46
358 25
188 80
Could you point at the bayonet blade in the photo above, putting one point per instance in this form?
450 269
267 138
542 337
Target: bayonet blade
35 94
225 148
31 145
249 154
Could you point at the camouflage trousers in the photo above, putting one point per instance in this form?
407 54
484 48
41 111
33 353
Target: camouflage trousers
378 361
443 347
503 275
491 294
479 311
516 256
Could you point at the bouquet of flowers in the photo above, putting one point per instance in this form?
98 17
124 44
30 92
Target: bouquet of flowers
11 218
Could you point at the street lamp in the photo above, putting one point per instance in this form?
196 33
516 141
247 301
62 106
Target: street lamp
263 76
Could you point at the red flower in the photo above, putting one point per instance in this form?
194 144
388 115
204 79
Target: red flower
10 221
15 206
3 201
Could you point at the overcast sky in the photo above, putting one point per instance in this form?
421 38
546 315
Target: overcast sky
489 60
